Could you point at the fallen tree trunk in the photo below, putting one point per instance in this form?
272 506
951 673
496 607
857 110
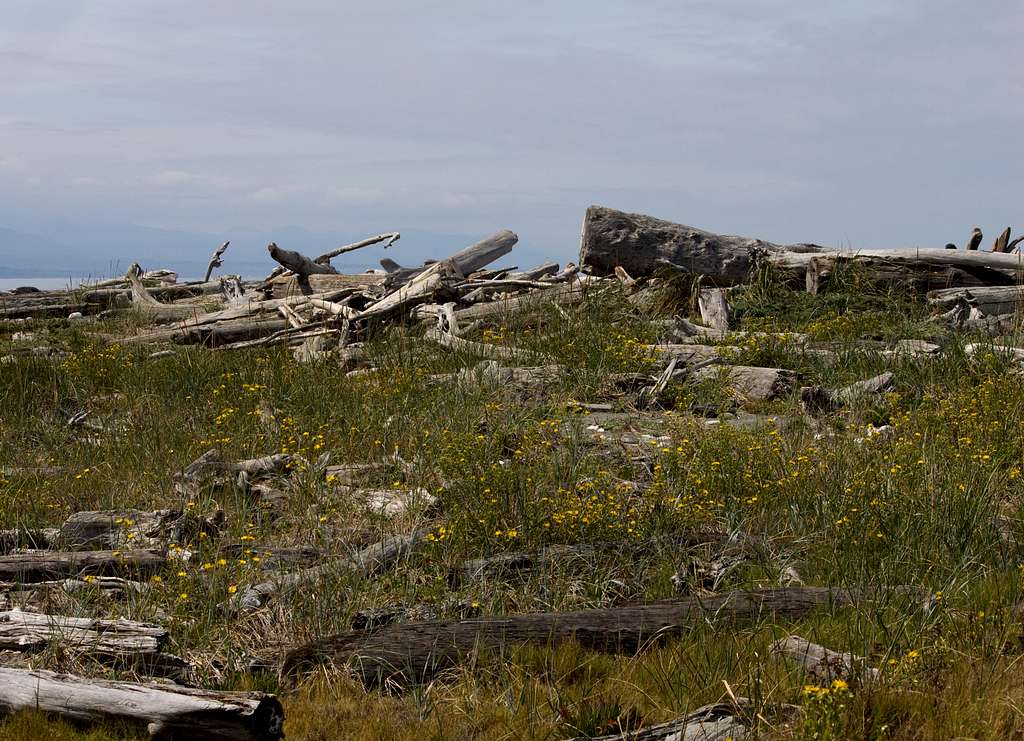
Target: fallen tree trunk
297 262
989 301
816 398
416 652
714 309
115 528
165 710
37 566
749 383
643 244
716 722
373 558
824 665
29 631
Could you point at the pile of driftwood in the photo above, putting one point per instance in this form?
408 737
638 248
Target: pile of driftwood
306 304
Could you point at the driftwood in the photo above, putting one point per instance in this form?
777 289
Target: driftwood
416 652
643 244
298 263
388 239
165 710
36 566
817 398
824 665
444 274
749 383
215 261
987 300
369 560
152 308
716 722
714 310
115 528
29 631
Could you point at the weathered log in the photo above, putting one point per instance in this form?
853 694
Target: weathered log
36 566
643 244
416 652
714 309
388 239
297 262
450 341
29 631
369 560
445 273
816 398
749 383
114 529
150 307
165 710
215 261
718 722
488 374
989 301
824 665
520 562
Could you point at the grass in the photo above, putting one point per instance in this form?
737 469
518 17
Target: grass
934 501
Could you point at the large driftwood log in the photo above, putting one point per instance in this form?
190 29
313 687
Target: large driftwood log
36 566
416 652
643 244
29 631
165 710
824 665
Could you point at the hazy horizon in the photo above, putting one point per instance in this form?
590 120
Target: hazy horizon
151 131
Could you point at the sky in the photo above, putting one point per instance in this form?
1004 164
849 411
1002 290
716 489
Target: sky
150 130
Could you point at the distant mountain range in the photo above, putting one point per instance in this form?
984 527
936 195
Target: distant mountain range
98 252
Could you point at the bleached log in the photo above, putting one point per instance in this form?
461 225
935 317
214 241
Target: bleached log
215 261
164 710
30 631
150 307
816 398
481 349
824 665
297 262
714 309
750 383
444 274
988 300
114 529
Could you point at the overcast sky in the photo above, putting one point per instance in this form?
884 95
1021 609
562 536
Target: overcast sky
857 123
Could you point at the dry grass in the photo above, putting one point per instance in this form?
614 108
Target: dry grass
933 502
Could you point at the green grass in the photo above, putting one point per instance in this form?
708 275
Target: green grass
934 503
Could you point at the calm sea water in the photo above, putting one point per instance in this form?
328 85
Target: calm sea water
43 284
